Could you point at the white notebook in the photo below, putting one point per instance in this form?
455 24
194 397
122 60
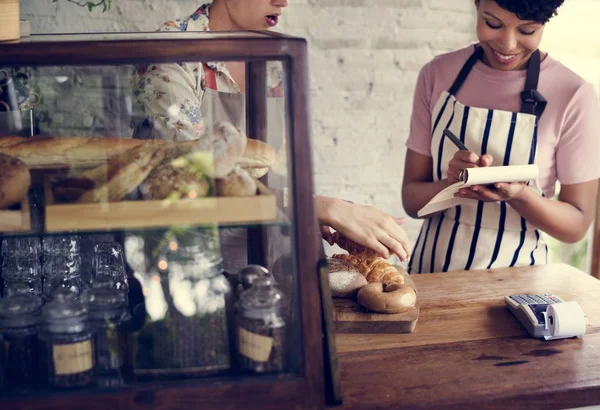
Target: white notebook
478 176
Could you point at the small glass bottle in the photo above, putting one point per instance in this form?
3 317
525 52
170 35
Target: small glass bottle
66 347
109 316
19 317
261 328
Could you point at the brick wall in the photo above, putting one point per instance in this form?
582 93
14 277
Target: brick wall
364 59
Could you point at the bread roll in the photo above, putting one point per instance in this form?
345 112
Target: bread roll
237 183
71 151
15 181
125 173
344 279
391 298
258 158
228 144
173 181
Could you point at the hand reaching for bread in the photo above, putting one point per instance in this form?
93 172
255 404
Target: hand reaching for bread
364 225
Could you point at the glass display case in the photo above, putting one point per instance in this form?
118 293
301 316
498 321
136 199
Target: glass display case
159 239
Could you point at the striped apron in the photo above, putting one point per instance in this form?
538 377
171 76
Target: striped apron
482 235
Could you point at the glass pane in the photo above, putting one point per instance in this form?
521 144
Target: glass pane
149 199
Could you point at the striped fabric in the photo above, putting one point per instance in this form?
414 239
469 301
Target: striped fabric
479 235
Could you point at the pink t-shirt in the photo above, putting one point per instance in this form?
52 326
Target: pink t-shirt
568 136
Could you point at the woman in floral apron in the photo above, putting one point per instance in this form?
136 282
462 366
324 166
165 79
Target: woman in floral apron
510 104
204 94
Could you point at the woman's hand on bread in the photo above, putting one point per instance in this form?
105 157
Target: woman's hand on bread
365 225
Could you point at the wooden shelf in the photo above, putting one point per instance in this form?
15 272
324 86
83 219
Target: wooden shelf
16 220
60 217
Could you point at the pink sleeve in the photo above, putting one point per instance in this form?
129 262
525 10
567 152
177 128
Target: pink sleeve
577 152
419 139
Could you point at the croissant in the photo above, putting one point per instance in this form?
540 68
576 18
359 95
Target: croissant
374 270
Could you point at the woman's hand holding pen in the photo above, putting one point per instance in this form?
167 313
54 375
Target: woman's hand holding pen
463 160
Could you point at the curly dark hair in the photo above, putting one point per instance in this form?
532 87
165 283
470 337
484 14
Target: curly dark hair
539 11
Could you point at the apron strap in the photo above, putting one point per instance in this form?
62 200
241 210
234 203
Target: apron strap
210 78
532 102
464 72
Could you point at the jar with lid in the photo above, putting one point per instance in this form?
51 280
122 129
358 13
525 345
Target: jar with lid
261 328
19 317
66 346
194 336
248 275
109 317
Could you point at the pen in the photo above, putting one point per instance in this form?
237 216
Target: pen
455 140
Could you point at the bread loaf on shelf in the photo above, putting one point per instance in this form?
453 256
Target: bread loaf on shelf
258 158
237 183
125 172
15 181
228 144
174 179
39 152
7 141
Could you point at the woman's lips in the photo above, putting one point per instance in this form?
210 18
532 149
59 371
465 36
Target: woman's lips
272 20
505 59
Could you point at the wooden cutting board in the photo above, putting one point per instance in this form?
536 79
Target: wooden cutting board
350 317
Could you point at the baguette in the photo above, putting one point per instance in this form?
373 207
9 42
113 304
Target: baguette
126 172
39 152
10 140
15 181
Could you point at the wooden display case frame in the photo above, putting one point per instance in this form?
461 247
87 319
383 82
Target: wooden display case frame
309 388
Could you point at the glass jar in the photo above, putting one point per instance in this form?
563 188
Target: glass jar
109 317
194 335
66 347
261 328
19 317
248 275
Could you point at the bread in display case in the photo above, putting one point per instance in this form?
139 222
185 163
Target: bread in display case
129 234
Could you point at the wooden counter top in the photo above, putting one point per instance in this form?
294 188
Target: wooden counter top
469 351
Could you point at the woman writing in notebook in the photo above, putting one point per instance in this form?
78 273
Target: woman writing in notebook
184 101
510 104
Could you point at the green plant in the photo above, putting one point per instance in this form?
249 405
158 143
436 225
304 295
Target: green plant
91 4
